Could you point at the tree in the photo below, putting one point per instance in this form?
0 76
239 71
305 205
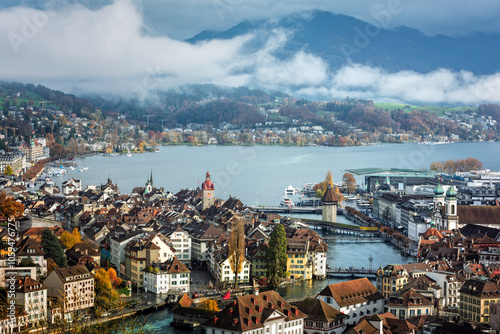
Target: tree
115 280
321 187
9 207
8 170
349 182
209 304
453 166
328 180
71 239
105 294
276 257
51 264
53 248
236 249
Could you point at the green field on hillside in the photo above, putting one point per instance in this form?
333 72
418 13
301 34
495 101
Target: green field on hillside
433 109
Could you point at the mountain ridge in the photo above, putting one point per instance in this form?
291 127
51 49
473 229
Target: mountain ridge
340 39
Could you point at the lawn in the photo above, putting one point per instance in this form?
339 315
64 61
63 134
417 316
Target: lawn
439 110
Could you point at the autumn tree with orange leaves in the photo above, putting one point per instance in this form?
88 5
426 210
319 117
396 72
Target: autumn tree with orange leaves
10 208
115 280
71 239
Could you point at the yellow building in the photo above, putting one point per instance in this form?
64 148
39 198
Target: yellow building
393 277
139 254
475 299
298 264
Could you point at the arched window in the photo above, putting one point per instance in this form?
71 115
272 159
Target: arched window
452 209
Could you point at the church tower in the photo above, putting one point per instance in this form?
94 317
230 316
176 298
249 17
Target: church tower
329 206
450 203
207 197
438 196
149 184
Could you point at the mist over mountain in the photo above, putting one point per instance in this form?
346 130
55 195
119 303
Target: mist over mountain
341 40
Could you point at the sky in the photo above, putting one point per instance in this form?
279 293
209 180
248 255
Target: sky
132 47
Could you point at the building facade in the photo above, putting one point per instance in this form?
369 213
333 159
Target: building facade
171 276
73 287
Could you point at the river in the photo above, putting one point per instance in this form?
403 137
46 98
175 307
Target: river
339 255
259 174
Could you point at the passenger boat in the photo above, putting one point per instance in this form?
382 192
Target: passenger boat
290 190
286 202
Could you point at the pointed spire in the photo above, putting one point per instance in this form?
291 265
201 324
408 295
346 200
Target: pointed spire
151 178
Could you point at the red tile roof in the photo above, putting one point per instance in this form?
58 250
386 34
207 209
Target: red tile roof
352 292
251 311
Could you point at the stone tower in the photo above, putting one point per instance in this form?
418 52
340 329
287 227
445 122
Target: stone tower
207 197
329 205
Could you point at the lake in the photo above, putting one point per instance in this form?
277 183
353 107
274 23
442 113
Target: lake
259 174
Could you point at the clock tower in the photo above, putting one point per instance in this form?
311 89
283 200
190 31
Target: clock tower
208 196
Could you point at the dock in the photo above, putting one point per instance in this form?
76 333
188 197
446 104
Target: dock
282 209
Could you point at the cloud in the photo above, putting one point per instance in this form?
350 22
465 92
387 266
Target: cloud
441 86
110 49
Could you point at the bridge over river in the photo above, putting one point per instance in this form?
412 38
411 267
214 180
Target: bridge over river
364 240
351 272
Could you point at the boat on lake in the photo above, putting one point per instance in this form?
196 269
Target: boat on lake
286 202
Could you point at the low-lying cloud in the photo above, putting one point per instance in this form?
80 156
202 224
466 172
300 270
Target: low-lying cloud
77 49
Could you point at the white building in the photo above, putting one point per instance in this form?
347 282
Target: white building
319 263
450 286
181 241
166 252
265 313
117 247
71 185
32 295
161 278
225 273
356 299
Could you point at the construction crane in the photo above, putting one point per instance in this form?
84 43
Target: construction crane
42 102
147 119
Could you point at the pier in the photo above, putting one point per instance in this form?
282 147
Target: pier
293 209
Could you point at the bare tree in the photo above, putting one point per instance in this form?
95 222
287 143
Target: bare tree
236 249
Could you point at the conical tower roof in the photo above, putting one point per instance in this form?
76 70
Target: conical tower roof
330 196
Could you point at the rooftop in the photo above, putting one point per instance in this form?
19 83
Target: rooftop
391 172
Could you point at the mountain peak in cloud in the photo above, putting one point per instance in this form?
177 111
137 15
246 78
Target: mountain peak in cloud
339 40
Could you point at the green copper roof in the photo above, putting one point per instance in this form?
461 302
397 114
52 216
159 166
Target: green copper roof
452 192
389 172
439 190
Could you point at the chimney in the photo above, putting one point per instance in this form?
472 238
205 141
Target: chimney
215 320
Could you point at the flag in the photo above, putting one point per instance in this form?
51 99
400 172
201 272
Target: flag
227 295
